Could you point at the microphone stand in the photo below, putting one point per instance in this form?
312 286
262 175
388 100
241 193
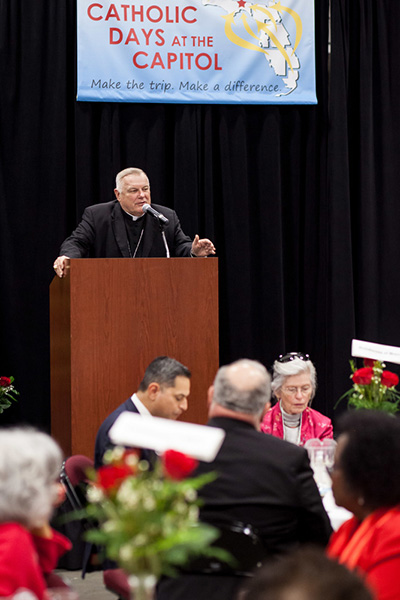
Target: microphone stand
162 226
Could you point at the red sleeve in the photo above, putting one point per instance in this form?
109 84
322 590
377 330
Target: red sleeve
384 578
382 561
49 550
19 566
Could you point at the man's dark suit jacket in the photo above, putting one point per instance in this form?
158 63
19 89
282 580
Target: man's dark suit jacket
102 234
262 481
104 443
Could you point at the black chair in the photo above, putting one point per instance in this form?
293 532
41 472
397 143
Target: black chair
244 546
215 579
73 476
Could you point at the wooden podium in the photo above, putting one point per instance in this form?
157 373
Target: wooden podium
109 318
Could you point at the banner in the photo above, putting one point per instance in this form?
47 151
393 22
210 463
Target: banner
201 51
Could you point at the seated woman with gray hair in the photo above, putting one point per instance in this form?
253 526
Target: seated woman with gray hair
294 383
30 463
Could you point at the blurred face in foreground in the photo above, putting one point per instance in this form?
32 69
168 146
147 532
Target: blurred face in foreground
342 492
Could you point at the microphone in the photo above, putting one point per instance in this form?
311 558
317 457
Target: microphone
148 208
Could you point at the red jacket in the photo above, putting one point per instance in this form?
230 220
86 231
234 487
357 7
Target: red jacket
372 547
24 558
313 424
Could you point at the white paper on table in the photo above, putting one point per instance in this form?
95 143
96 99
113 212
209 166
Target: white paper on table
380 352
142 431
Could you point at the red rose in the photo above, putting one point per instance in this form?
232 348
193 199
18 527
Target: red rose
369 362
178 465
389 379
363 376
5 381
111 476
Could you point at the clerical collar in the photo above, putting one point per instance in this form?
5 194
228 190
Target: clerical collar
132 216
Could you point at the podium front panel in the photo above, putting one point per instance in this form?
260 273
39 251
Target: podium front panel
109 319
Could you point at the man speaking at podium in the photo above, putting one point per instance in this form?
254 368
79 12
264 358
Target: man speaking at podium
129 227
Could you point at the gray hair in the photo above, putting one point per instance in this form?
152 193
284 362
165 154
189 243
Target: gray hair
243 386
30 464
293 367
124 173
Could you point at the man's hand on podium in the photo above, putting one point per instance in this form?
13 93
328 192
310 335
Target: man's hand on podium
61 265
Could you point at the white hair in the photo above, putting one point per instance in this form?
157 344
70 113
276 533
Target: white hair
243 386
30 464
281 371
124 173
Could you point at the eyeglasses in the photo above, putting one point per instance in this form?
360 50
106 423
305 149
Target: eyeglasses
284 358
292 390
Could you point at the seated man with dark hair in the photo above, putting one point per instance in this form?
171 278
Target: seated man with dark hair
163 392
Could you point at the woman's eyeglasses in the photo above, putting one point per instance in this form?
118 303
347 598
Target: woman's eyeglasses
284 358
292 390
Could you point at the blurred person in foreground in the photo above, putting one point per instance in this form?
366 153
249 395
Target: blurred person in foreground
366 481
123 229
306 574
294 383
30 464
262 482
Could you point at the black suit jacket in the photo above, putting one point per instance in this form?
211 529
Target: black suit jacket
104 443
102 234
262 481
268 483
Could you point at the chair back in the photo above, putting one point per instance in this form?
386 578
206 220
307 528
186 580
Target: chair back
73 476
74 473
242 543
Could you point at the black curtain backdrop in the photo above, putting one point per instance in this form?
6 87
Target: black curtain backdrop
301 201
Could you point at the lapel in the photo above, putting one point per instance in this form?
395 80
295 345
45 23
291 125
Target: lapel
118 227
145 453
151 456
130 406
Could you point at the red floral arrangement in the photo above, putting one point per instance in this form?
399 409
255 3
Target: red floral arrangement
373 387
147 518
7 393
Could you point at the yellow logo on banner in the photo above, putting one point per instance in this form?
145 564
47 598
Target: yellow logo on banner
262 25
